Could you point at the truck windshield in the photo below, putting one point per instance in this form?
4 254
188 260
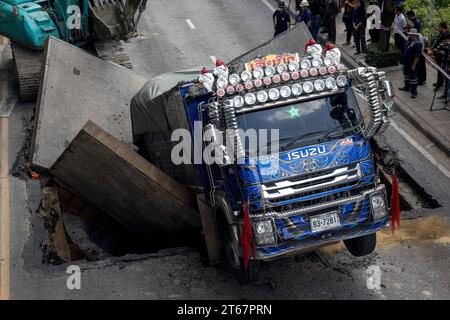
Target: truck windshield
306 122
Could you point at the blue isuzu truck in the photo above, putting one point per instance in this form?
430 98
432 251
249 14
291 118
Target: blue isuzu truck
321 184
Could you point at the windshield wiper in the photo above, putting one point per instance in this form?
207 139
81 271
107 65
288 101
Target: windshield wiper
330 132
299 137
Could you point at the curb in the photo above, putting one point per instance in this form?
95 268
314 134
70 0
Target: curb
409 114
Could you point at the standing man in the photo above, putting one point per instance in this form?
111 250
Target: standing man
305 14
314 6
443 34
443 52
281 19
414 22
411 57
359 27
400 25
349 6
332 12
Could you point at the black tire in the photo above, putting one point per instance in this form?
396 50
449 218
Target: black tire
361 246
242 275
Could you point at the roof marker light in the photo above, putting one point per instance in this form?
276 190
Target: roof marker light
293 66
308 87
240 87
234 79
330 83
313 72
295 75
258 73
305 64
250 98
262 96
230 90
258 83
246 76
276 78
328 61
316 62
222 82
281 68
341 81
323 71
220 92
319 85
304 73
248 85
274 94
297 89
331 69
267 81
238 102
270 71
285 91
341 67
286 76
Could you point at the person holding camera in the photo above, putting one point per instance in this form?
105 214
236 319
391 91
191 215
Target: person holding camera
442 52
442 35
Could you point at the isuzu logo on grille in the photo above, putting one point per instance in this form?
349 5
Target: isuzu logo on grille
306 152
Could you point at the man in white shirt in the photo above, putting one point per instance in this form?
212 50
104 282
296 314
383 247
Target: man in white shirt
400 24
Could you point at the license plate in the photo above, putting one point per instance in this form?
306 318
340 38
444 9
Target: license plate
324 221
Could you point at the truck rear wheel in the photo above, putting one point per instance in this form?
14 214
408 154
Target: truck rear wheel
361 246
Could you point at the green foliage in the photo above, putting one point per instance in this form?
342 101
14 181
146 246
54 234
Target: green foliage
422 9
380 59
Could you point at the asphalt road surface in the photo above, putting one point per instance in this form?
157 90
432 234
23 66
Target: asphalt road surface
412 264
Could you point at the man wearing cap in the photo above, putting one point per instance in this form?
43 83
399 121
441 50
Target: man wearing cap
281 19
305 14
411 56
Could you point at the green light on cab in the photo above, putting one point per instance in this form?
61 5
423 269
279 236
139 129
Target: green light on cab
293 112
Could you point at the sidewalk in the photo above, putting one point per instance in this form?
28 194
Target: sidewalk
434 124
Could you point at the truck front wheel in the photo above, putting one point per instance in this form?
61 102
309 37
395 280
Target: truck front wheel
361 246
243 276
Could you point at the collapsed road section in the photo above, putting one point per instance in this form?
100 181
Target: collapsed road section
76 87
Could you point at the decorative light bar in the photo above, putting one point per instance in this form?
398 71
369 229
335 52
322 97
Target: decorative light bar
316 73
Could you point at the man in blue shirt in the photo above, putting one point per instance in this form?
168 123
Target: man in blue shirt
281 19
305 14
414 21
410 59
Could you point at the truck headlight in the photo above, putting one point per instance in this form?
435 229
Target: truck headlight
378 204
264 227
264 232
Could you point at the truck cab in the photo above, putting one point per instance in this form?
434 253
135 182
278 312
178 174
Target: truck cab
313 181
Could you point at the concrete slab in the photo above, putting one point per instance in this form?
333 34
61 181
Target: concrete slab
114 179
290 41
76 87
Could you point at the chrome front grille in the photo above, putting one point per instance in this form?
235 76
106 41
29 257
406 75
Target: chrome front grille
329 179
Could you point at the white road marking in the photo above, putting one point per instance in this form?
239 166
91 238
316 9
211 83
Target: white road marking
190 24
213 59
419 148
269 5
4 216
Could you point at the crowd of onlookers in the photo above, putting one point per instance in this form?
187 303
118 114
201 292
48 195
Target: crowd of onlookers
358 16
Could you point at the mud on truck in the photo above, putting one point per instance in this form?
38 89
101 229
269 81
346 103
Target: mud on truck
318 187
